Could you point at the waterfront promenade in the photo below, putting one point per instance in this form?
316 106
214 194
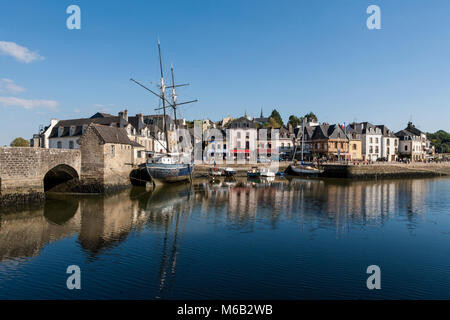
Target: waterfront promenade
343 170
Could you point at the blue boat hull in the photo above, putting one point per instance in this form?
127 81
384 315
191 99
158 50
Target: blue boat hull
166 173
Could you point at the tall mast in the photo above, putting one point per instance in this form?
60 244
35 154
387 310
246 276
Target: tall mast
163 89
303 136
174 97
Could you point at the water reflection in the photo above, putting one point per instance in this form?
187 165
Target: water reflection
103 222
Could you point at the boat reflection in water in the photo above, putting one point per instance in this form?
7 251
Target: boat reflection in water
198 241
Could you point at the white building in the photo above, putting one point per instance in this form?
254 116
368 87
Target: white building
413 144
242 139
371 138
389 144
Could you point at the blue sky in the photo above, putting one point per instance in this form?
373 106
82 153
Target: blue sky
296 56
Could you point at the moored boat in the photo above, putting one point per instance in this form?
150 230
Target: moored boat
305 170
215 172
168 167
266 172
229 172
253 172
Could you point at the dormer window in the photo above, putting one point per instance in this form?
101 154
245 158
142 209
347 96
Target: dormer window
72 130
83 129
60 131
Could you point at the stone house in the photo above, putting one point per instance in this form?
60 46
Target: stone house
144 130
330 142
108 155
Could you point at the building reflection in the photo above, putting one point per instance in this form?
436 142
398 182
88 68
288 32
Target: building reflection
103 222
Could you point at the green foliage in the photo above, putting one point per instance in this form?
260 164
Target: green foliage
441 141
294 121
19 142
276 117
272 123
310 117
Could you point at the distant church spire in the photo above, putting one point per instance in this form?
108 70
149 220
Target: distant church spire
261 114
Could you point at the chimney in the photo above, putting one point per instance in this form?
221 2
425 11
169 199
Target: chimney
123 118
141 123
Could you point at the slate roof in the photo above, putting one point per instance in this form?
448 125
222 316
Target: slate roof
242 123
114 135
325 131
385 131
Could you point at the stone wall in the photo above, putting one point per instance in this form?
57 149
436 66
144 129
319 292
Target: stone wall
394 170
22 171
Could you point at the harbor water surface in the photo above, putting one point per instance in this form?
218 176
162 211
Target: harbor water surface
285 239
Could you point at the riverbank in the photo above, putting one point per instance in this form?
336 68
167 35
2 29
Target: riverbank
369 171
387 170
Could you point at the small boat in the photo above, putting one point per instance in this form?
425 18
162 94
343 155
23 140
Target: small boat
229 172
266 172
305 170
253 172
215 172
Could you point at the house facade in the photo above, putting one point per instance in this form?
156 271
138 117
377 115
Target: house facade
330 142
144 130
109 155
413 144
389 144
371 138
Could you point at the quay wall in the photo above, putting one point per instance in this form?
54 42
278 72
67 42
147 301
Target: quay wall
395 170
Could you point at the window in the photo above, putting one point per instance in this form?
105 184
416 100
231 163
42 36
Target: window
395 142
371 140
376 140
406 148
376 149
354 146
370 149
387 141
70 144
113 151
239 134
388 150
59 145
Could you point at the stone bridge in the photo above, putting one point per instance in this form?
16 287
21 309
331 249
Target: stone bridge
28 172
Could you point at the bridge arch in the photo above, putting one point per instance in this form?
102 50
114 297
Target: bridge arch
59 174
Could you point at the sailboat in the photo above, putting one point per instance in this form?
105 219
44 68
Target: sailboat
304 169
169 166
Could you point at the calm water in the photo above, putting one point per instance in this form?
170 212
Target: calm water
299 239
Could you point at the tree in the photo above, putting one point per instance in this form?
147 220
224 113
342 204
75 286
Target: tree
19 142
441 141
294 121
272 124
276 116
310 117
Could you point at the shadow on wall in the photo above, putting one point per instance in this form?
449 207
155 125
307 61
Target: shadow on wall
58 175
